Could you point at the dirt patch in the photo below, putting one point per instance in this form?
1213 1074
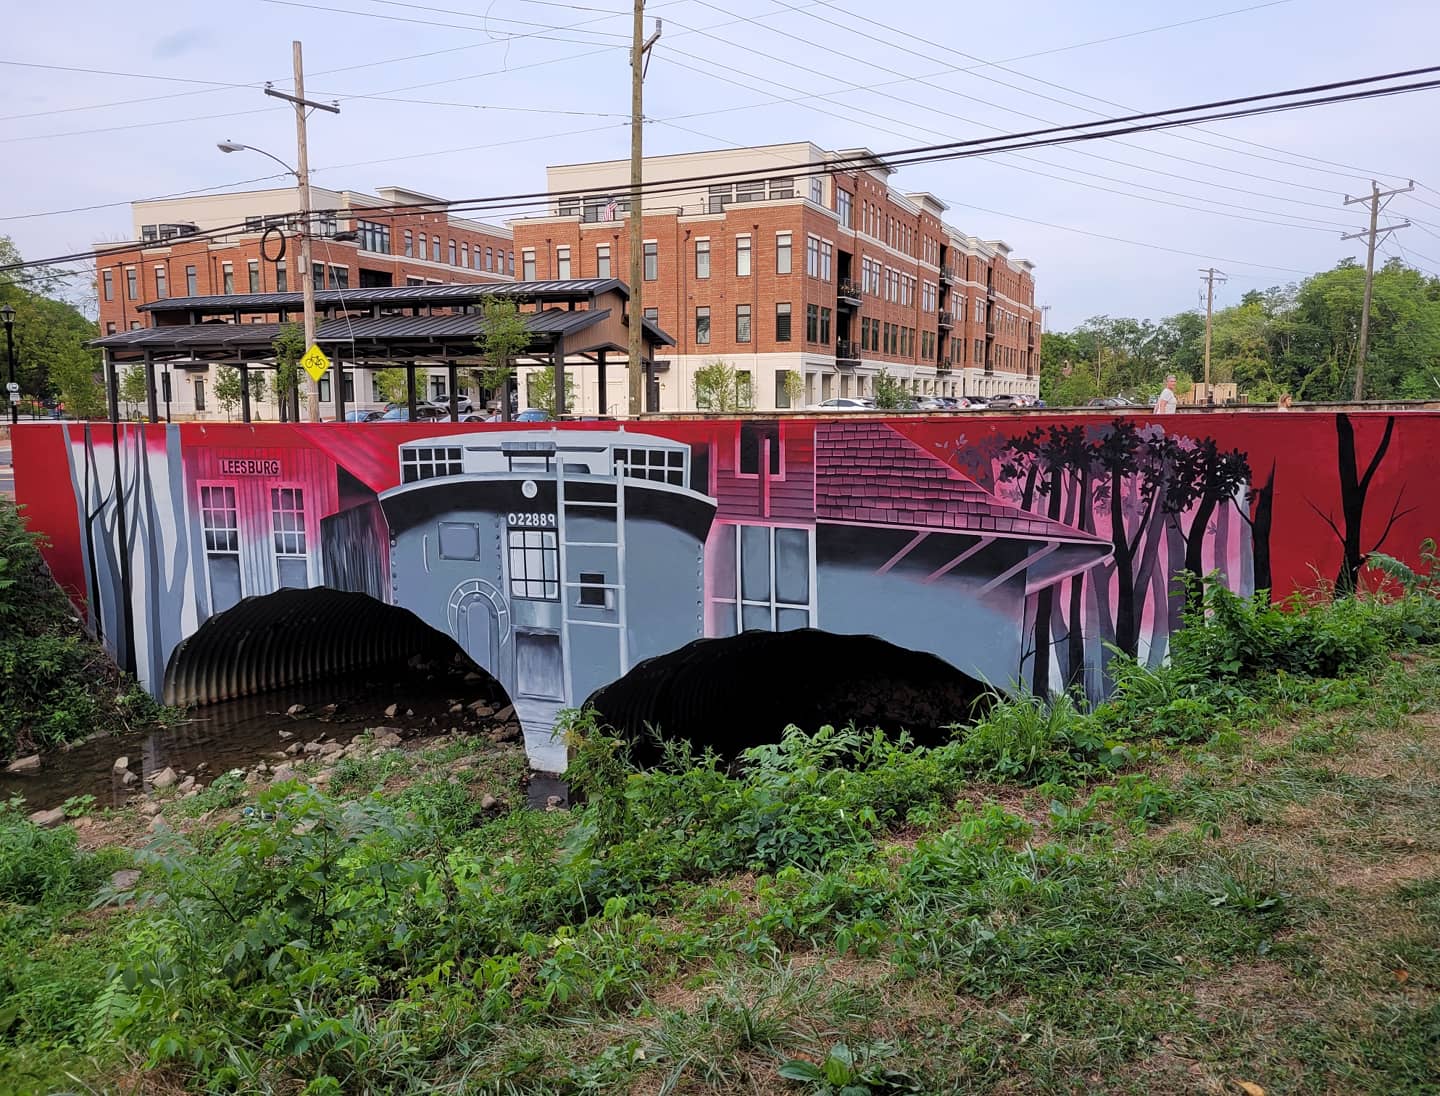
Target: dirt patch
1384 875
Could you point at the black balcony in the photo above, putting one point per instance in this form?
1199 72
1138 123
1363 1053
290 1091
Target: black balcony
847 353
942 366
848 293
946 320
948 275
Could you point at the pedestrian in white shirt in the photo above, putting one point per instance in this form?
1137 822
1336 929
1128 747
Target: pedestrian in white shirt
1165 402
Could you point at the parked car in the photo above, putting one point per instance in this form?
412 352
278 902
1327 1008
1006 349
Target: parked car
844 403
424 412
534 414
932 403
1113 402
976 403
362 414
1006 401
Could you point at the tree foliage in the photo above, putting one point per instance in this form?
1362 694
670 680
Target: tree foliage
503 336
720 387
890 392
540 388
289 347
51 358
1300 338
393 386
132 390
227 389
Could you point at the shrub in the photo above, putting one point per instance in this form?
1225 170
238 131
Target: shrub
42 867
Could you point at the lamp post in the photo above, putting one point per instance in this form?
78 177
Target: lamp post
7 317
307 282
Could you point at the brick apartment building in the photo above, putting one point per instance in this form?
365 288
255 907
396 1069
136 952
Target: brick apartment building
827 278
425 247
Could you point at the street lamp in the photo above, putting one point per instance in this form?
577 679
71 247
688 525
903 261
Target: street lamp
307 282
7 317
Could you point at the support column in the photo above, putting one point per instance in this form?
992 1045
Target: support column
410 388
339 383
557 370
152 407
600 368
453 375
245 391
112 387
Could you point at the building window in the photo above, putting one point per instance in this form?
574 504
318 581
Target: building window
652 314
742 256
817 190
110 328
843 206
134 325
282 283
562 263
254 267
434 249
199 393
812 256
160 292
422 462
534 564
652 261
702 259
602 260
782 253
782 321
510 263
220 522
132 283
376 396
812 323
287 519
409 244
339 277
527 265
594 592
827 253
227 277
450 253
766 577
374 236
108 277
702 326
490 258
465 255
742 323
658 465
191 284
825 326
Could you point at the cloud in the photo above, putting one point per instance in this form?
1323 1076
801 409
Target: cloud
181 42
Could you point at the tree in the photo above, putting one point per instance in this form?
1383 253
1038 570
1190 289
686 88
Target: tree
1204 478
889 392
541 389
227 389
503 336
719 386
132 389
257 392
50 336
393 385
793 385
289 347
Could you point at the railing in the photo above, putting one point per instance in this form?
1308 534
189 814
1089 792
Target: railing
947 320
847 350
948 274
943 365
848 291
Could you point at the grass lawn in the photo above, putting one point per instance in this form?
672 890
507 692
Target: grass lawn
1227 879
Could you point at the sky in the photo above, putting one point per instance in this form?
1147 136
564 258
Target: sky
463 100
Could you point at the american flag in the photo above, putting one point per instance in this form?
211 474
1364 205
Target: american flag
611 207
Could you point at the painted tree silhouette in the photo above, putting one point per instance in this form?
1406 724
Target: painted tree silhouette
1354 490
1257 514
1123 460
1205 478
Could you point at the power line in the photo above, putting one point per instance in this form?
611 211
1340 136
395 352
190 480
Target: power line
1002 66
136 125
156 198
1245 106
928 82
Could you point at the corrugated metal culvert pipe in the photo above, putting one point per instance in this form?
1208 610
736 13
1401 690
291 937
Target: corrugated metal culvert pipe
744 690
292 637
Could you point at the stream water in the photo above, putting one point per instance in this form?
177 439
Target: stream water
236 733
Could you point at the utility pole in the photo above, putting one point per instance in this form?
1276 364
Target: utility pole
1210 275
1377 201
639 54
302 175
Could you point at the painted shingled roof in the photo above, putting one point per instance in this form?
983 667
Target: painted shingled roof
866 472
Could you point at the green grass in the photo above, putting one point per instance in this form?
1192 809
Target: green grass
1218 877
